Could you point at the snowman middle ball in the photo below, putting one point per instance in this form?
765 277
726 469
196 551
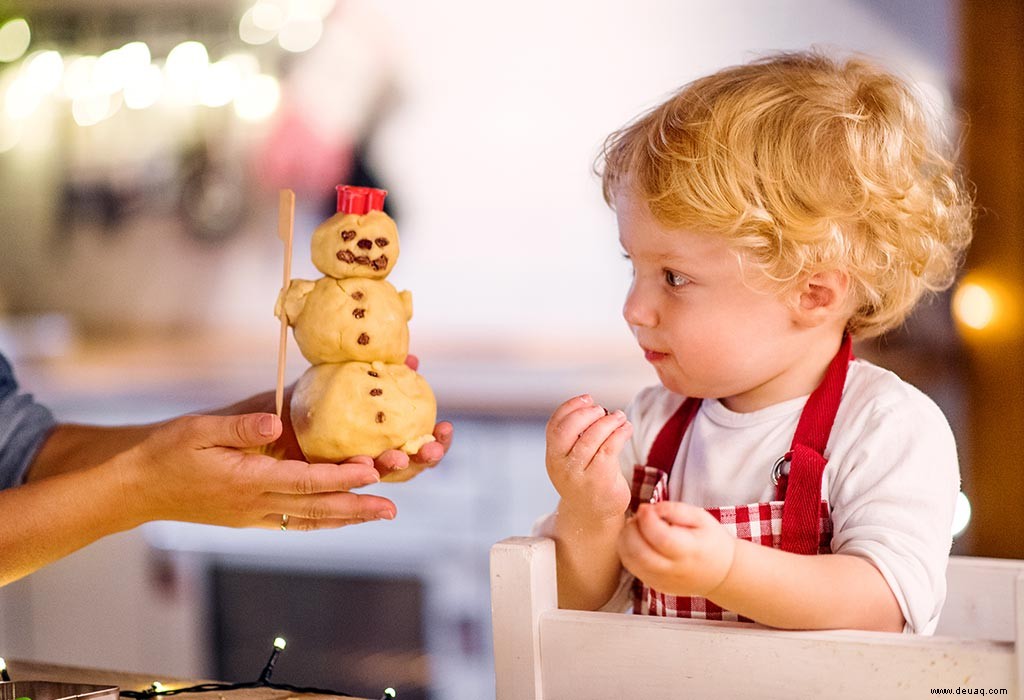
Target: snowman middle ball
351 319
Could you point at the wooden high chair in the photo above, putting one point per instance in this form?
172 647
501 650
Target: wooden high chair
543 653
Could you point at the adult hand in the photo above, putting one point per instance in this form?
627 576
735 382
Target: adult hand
677 548
203 469
583 446
394 464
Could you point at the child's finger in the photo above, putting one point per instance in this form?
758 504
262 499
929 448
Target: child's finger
594 436
614 443
570 429
681 514
664 538
568 407
636 553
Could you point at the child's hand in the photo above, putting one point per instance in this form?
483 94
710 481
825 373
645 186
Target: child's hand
583 446
202 469
677 548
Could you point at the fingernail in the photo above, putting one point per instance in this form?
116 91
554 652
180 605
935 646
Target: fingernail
266 425
619 413
384 515
587 398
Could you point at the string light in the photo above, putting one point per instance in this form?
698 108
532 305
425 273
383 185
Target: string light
257 98
157 689
250 32
15 36
297 24
279 645
96 87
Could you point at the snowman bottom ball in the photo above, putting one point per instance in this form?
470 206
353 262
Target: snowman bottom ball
346 409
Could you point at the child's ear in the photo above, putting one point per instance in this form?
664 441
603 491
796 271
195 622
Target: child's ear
822 297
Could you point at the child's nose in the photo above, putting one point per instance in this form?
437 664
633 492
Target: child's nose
637 310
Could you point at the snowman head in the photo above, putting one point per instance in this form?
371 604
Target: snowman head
360 240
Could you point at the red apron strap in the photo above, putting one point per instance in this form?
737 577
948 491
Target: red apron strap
801 488
666 445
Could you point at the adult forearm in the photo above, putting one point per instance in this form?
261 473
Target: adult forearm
793 591
587 562
50 519
72 447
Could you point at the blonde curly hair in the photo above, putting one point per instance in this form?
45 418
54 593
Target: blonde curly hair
806 163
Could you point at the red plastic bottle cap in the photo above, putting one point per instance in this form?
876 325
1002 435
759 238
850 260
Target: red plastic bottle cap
360 200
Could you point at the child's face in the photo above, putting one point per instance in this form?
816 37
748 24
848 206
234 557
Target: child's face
700 321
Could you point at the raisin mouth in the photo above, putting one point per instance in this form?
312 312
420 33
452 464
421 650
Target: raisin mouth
347 256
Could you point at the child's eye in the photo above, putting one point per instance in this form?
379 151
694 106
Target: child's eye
674 279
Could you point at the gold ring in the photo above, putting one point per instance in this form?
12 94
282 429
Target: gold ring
284 522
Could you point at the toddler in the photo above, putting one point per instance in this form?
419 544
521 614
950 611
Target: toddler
771 212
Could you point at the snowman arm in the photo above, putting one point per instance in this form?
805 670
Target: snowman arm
292 300
406 297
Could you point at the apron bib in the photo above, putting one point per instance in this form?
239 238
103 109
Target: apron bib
797 520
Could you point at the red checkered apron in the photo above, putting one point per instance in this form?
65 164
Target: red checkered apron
797 520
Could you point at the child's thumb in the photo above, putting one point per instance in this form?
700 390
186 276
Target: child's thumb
247 430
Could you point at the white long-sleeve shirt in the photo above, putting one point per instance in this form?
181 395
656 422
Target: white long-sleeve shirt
891 480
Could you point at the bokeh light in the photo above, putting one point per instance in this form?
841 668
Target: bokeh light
974 305
15 36
258 98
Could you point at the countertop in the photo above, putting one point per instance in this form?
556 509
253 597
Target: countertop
202 369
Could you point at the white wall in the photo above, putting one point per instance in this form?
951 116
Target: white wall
505 108
501 111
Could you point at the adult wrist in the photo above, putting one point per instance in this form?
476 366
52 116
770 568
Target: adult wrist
137 503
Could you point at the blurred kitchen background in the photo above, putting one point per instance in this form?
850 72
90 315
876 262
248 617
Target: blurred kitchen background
142 144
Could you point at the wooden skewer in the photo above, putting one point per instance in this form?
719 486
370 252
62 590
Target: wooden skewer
285 231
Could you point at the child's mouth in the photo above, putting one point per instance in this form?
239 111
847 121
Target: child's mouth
653 356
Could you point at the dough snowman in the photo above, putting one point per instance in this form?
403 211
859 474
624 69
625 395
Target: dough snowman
341 320
359 397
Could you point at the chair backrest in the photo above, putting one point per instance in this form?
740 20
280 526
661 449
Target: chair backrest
543 653
981 597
